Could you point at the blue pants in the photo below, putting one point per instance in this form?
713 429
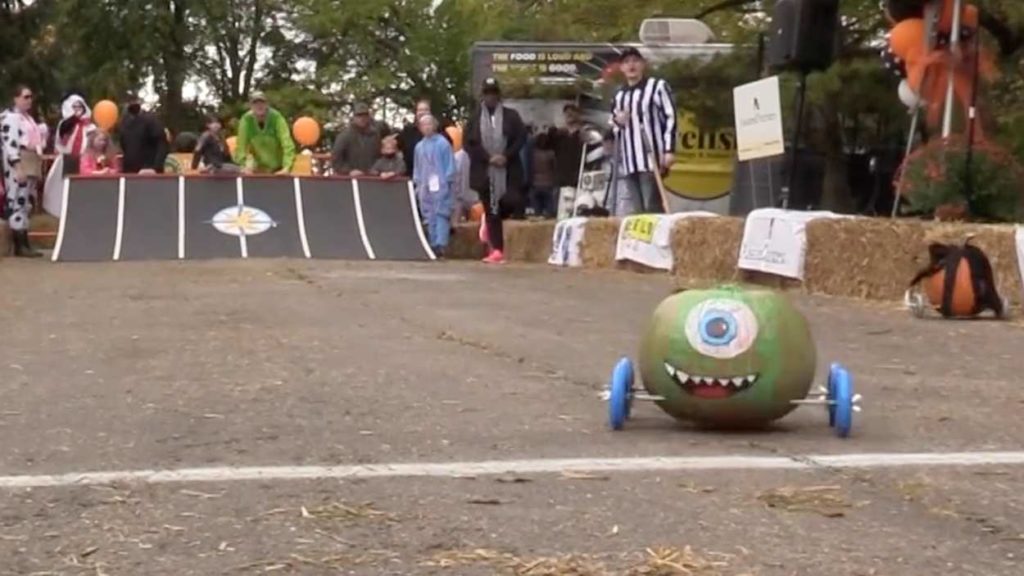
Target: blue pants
436 209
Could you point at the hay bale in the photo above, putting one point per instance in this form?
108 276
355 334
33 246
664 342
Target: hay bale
528 241
597 250
465 242
861 257
875 258
705 250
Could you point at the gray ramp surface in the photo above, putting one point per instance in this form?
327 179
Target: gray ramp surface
332 229
204 198
150 229
389 221
276 197
90 223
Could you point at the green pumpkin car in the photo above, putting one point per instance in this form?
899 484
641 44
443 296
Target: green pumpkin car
729 358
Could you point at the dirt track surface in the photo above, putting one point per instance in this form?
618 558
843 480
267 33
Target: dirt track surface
282 363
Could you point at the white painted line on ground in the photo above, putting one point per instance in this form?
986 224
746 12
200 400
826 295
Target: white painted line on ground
498 467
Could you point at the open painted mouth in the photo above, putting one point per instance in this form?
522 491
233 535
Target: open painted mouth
712 387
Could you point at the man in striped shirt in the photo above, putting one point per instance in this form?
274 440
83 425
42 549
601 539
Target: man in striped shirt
645 129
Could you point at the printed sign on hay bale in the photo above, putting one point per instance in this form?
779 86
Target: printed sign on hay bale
1020 256
565 242
647 238
775 241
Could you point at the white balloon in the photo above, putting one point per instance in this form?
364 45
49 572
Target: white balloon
907 95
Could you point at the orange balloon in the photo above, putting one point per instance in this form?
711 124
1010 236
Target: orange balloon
455 133
306 131
105 114
232 143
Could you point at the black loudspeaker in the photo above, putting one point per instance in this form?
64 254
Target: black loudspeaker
803 35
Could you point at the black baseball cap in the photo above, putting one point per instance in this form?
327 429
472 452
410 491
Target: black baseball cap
631 51
491 86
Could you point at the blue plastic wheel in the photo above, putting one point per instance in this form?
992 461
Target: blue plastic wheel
833 372
621 395
843 402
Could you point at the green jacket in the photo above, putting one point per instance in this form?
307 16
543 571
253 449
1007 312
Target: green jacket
271 147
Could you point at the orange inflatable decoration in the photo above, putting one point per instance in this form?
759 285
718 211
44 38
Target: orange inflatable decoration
105 114
306 131
927 68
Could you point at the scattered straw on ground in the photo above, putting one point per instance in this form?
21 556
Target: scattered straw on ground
652 562
827 501
597 249
705 250
340 511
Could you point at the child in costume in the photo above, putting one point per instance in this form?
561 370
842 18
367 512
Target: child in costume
98 158
433 176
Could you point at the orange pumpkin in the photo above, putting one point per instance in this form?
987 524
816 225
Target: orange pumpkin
973 288
963 291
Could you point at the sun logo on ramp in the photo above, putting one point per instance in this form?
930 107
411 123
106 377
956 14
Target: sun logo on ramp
242 221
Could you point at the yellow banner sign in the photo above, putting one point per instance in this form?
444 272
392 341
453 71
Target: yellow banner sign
640 228
704 161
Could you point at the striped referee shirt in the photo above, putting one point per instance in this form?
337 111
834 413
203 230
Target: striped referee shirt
650 106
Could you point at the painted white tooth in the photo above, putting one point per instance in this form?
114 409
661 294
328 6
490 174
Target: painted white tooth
682 376
707 380
738 381
668 368
751 378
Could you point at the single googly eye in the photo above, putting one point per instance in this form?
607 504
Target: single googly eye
721 328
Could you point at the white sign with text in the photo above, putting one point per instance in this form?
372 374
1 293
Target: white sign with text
565 243
758 111
647 238
775 241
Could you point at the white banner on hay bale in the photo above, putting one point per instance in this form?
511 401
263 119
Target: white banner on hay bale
1020 257
775 241
647 238
565 243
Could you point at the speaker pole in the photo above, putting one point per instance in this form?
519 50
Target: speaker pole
954 42
906 154
761 47
972 114
793 158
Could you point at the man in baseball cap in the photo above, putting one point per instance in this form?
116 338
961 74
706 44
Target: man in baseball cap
264 141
